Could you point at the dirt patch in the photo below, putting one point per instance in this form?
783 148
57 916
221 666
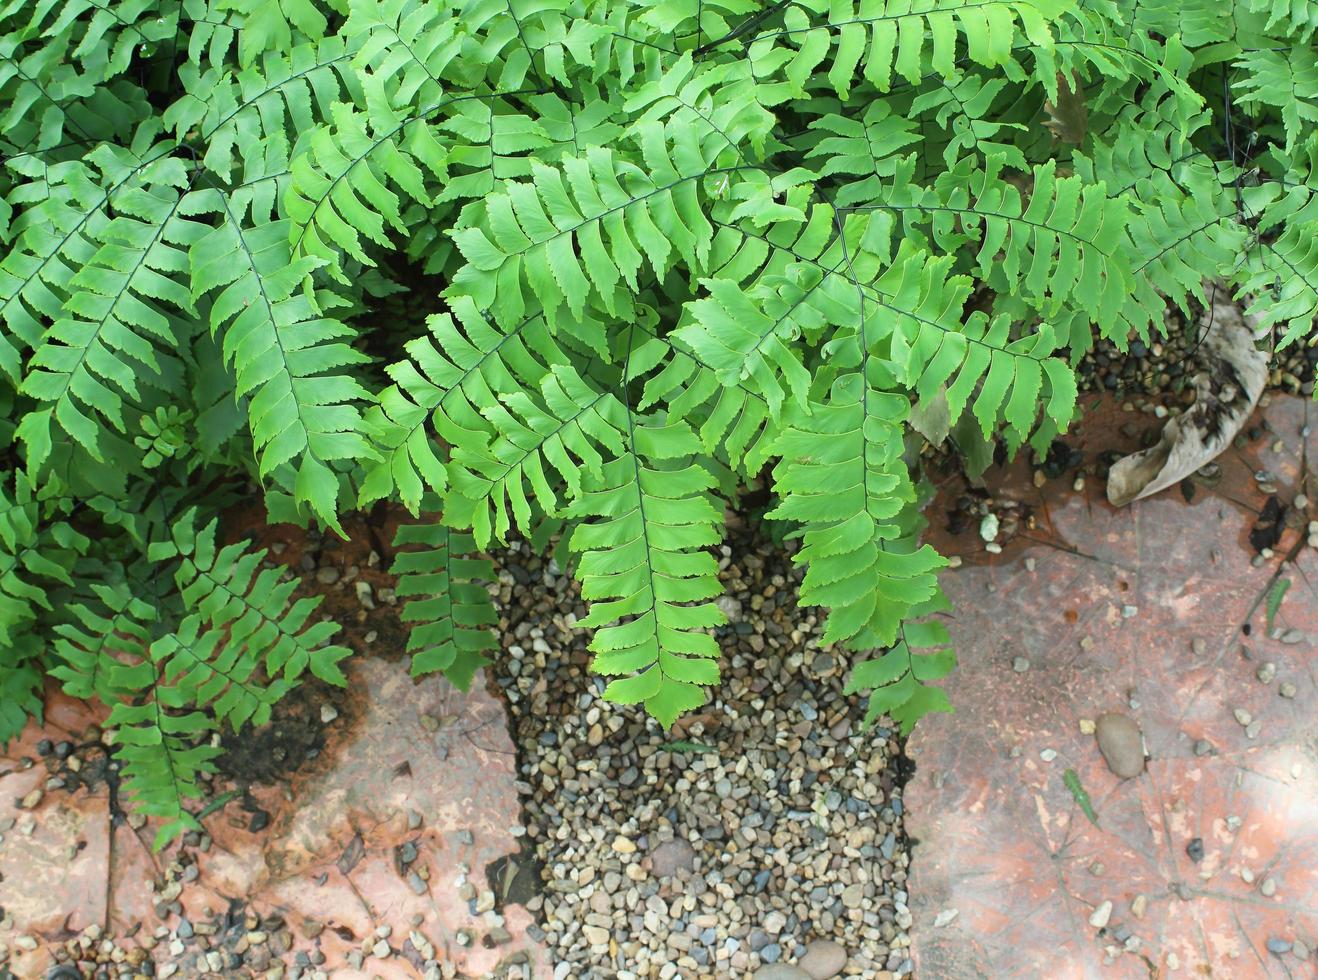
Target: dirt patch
294 736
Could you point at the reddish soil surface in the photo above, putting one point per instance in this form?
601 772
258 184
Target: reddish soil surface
1209 857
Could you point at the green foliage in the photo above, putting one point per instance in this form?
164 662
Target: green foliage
447 603
655 251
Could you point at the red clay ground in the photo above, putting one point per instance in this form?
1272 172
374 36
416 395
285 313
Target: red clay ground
1143 611
366 851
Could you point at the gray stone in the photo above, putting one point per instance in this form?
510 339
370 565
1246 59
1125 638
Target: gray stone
823 959
1122 744
781 971
672 856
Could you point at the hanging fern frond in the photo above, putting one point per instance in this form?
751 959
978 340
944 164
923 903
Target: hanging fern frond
843 478
898 682
644 525
448 607
286 354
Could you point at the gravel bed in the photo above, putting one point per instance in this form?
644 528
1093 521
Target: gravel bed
1166 364
761 838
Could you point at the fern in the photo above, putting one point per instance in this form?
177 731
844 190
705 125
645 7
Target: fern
450 608
885 39
643 568
576 269
282 351
251 607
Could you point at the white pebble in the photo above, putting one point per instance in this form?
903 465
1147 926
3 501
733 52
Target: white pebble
1100 916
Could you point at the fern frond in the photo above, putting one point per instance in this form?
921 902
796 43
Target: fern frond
96 642
1280 277
22 689
287 356
118 325
1285 80
1298 18
843 477
250 607
732 420
1184 233
340 187
211 669
57 58
556 433
880 38
584 229
247 116
965 109
1063 244
450 611
35 556
898 682
163 755
868 148
721 103
448 379
643 567
274 26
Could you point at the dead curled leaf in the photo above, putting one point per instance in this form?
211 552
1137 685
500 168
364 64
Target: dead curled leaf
351 854
1225 396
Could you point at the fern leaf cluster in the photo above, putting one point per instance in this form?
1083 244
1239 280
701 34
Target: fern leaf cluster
576 268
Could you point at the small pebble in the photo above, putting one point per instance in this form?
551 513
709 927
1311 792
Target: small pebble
1100 916
1121 744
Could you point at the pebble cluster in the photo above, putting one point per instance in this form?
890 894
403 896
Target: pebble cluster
760 838
1166 365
